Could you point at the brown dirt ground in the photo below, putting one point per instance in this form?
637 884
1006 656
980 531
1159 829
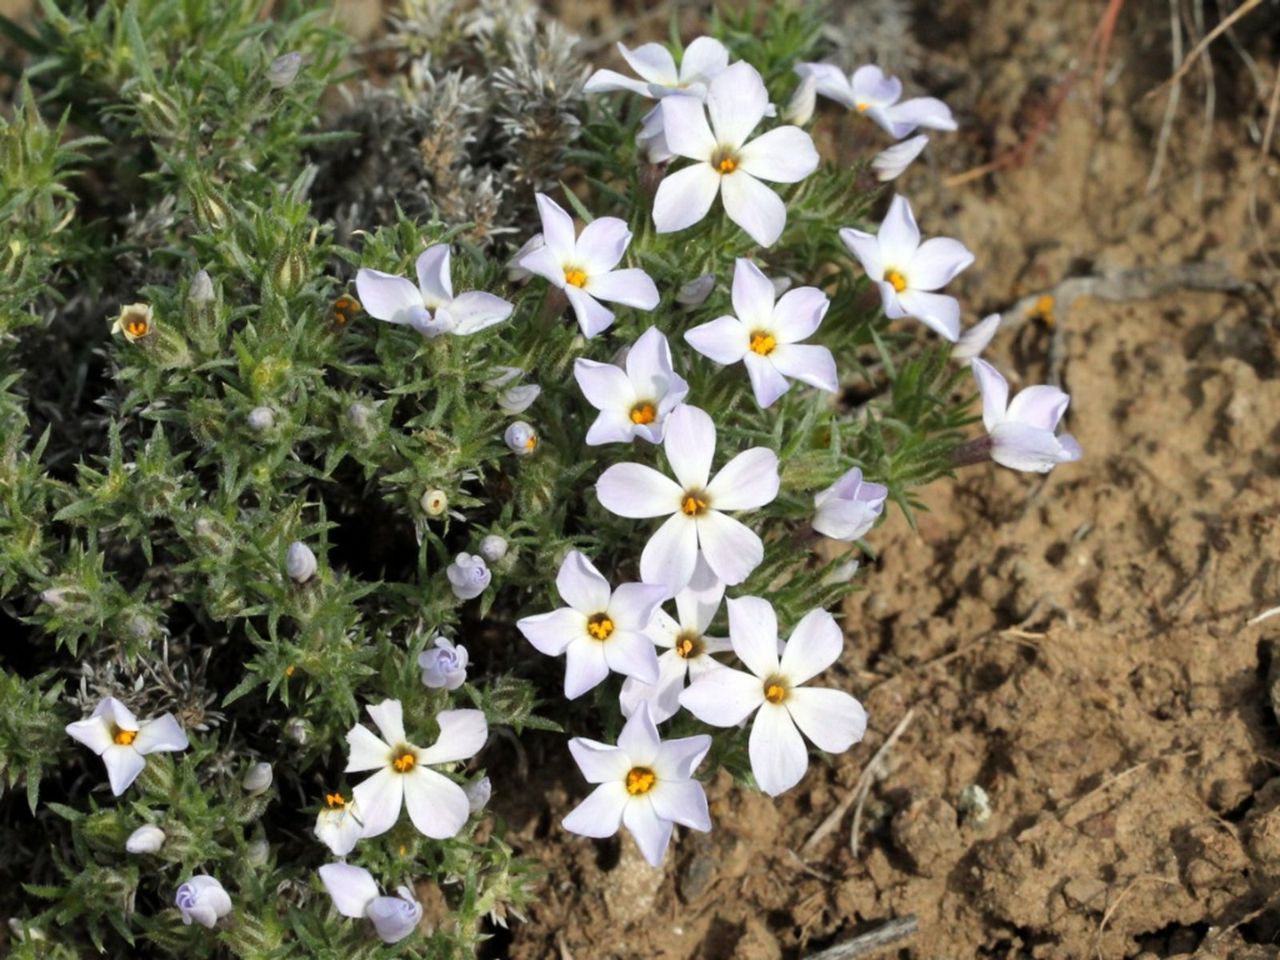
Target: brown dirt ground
1075 645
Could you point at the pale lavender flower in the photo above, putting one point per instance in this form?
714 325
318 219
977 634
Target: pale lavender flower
203 900
873 93
444 666
694 505
644 784
583 266
468 576
726 164
848 508
774 690
907 271
397 300
355 894
1023 433
765 336
633 402
114 734
600 630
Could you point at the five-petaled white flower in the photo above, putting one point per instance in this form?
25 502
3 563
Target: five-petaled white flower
774 690
908 270
688 649
873 93
695 504
1023 433
582 266
765 335
355 894
114 734
848 508
338 824
600 630
726 164
633 402
645 785
437 806
430 307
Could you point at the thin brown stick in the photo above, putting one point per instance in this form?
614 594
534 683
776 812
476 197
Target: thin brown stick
869 777
885 935
1106 917
1211 36
1171 105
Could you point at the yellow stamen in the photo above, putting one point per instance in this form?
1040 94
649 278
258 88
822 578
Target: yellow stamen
404 763
334 801
125 737
600 626
575 277
688 645
895 279
643 413
863 106
289 670
344 309
640 780
137 328
1044 309
728 165
532 442
776 689
763 344
694 504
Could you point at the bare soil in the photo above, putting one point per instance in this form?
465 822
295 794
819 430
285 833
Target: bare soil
1078 646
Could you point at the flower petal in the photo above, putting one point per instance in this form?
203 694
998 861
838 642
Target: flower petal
545 263
832 719
690 444
685 129
681 801
753 630
782 155
723 697
677 759
698 602
557 231
703 59
651 833
995 393
600 814
891 163
350 887
650 370
684 197
639 739
123 766
798 313
609 81
927 112
1019 446
581 585
872 86
748 481
605 386
974 340
379 799
365 751
631 654
754 207
866 247
388 716
593 317
551 632
462 735
653 62
723 339
937 262
162 735
94 732
833 82
599 762
613 426
585 666
437 806
736 102
434 282
601 245
938 312
778 755
1039 406
633 605
387 297
815 644
661 698
807 363
753 295
475 310
638 492
631 288
767 381
899 236
732 550
671 554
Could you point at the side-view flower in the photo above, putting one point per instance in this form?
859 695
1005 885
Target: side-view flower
1023 432
430 307
355 894
873 93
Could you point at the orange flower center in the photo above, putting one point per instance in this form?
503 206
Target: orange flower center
404 761
763 343
695 503
600 626
640 780
334 801
863 106
895 279
688 645
643 413
125 737
575 277
776 689
137 328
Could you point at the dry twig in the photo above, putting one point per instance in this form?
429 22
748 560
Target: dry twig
1199 48
885 935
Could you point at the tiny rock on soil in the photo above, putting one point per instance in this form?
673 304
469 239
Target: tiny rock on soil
1077 645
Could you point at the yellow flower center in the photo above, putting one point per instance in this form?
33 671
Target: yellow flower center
728 165
532 442
895 279
695 503
688 645
334 801
763 343
575 277
125 737
600 626
344 309
863 106
724 160
404 761
643 413
137 327
776 689
640 780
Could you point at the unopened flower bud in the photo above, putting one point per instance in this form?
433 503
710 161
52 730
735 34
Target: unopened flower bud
478 794
203 900
394 918
493 548
516 400
258 852
261 419
290 271
283 70
695 292
435 503
300 562
799 109
521 438
445 665
258 779
201 290
359 415
297 731
146 839
468 575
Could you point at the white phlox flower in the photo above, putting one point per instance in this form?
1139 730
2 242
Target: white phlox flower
645 785
726 164
848 508
338 824
114 734
202 900
1023 433
634 399
583 266
694 503
908 271
974 340
355 894
600 630
686 647
437 806
430 307
774 690
873 93
765 336
892 162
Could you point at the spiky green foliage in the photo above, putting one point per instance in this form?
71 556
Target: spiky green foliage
150 487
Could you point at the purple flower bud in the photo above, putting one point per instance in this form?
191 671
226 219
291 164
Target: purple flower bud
521 438
300 562
469 576
203 900
848 508
395 917
284 70
445 666
493 548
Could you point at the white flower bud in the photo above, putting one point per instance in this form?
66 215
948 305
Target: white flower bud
203 900
296 731
695 292
146 839
435 503
258 852
799 109
283 70
201 290
468 576
521 438
300 562
395 917
517 400
478 794
359 415
258 779
493 548
261 419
